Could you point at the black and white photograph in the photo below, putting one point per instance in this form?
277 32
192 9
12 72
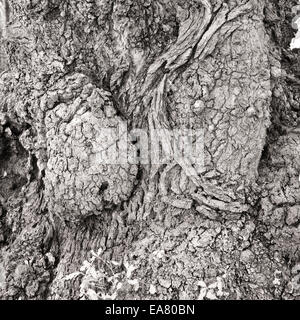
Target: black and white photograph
150 151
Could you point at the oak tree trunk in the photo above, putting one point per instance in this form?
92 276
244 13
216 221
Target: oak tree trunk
226 229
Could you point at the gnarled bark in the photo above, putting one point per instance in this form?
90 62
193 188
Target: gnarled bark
227 229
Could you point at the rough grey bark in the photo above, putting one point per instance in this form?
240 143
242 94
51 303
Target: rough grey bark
71 68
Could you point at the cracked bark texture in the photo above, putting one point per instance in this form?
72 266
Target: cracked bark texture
70 69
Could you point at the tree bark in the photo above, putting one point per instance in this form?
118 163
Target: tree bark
225 229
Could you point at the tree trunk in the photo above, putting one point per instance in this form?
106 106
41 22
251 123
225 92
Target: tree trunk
223 224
